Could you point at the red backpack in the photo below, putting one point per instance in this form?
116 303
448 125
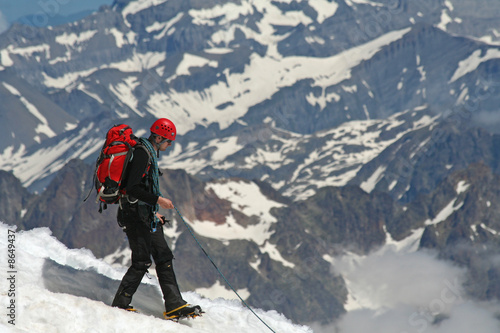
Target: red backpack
112 162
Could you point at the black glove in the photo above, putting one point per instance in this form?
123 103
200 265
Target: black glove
163 220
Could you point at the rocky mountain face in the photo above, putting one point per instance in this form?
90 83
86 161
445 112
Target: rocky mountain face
14 196
420 160
468 236
459 219
306 129
320 65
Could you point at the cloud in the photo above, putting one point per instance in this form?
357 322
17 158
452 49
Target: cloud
389 279
411 292
487 119
466 317
4 24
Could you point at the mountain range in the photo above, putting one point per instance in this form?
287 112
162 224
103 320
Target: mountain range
306 129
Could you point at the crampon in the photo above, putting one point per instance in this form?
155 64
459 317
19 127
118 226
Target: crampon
183 312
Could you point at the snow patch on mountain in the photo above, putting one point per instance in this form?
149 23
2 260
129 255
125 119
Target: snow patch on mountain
124 92
5 58
67 79
324 9
121 38
134 7
26 52
72 39
446 212
247 198
190 60
95 96
43 127
470 64
164 28
337 163
138 62
369 184
46 161
338 155
262 78
224 14
364 2
217 290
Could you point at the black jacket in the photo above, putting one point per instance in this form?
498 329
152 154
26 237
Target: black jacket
137 181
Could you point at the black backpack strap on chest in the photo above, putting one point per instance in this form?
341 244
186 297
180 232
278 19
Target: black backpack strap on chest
141 146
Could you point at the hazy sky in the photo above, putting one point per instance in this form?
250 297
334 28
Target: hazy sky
12 10
3 23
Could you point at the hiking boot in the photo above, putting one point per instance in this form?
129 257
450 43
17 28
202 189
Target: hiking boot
185 311
130 308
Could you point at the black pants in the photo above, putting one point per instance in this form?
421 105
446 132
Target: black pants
145 244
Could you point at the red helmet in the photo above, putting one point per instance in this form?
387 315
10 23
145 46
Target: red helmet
165 128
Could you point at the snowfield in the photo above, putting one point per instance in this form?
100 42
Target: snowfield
395 289
38 256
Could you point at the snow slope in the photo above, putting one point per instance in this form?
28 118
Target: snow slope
39 308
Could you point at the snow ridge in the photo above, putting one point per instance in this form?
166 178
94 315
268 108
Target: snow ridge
42 310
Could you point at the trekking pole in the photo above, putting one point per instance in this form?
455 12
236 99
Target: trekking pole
218 270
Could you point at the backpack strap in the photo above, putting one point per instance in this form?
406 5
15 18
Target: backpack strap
139 145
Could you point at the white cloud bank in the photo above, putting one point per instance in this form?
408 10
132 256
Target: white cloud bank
408 292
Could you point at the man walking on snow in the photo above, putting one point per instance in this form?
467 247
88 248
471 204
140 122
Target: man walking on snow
139 217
